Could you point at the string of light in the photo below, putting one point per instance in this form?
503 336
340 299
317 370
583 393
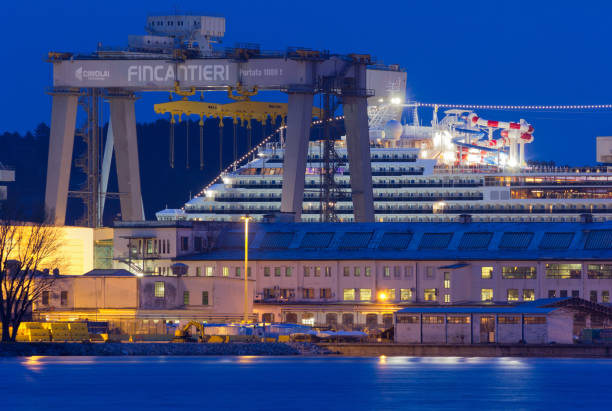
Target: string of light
500 107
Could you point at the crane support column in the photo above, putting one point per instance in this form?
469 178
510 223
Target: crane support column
61 143
358 147
299 117
123 119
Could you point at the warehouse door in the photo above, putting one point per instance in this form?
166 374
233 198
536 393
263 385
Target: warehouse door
487 329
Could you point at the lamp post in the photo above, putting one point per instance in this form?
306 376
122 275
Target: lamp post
246 268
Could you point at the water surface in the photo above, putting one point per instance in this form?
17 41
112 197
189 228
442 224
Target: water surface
315 383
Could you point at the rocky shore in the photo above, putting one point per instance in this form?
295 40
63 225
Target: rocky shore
157 349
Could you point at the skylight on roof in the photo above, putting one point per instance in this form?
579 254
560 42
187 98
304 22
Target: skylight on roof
277 240
474 241
233 240
435 240
397 241
355 240
599 240
516 240
316 240
556 241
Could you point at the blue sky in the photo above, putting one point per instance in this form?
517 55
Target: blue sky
476 52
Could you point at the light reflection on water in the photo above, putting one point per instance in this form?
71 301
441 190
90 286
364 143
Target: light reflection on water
303 383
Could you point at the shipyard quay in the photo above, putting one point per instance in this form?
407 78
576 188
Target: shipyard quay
353 274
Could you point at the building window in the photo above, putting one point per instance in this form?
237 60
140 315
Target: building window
198 271
563 271
512 294
535 320
349 294
563 293
306 271
185 297
327 271
509 320
599 271
288 271
575 293
204 297
308 293
523 273
433 319
528 294
408 271
184 243
486 273
225 271
63 297
552 293
405 294
160 291
605 296
357 271
45 298
308 319
447 298
368 271
486 294
197 243
429 273
447 280
458 319
430 294
277 271
266 271
346 271
209 271
397 271
387 271
593 296
324 292
365 294
237 272
249 272
317 272
406 319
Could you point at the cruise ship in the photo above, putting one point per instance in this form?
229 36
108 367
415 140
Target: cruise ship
461 164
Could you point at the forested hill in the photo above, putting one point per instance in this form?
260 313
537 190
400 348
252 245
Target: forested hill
161 185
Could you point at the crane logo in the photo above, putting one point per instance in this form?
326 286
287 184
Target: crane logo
98 75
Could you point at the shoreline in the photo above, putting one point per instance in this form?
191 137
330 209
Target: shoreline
25 349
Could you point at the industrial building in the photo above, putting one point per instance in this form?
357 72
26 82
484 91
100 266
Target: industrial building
543 321
356 275
7 175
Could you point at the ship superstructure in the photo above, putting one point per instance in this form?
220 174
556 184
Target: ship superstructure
461 164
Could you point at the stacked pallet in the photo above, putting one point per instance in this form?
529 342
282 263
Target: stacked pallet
78 332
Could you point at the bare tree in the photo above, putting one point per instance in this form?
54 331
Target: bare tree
27 252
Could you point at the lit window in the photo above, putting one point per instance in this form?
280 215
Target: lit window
365 294
407 319
266 271
599 271
509 320
288 271
357 271
433 319
563 271
346 271
327 271
198 271
512 294
446 280
522 273
447 298
317 272
277 271
225 271
605 296
368 271
406 294
209 271
528 295
486 294
306 271
185 297
387 271
458 319
535 320
159 289
349 294
204 297
486 273
430 294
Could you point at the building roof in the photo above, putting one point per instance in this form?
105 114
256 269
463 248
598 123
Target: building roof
99 272
457 242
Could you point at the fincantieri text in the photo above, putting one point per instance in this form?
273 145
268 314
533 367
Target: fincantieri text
184 72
